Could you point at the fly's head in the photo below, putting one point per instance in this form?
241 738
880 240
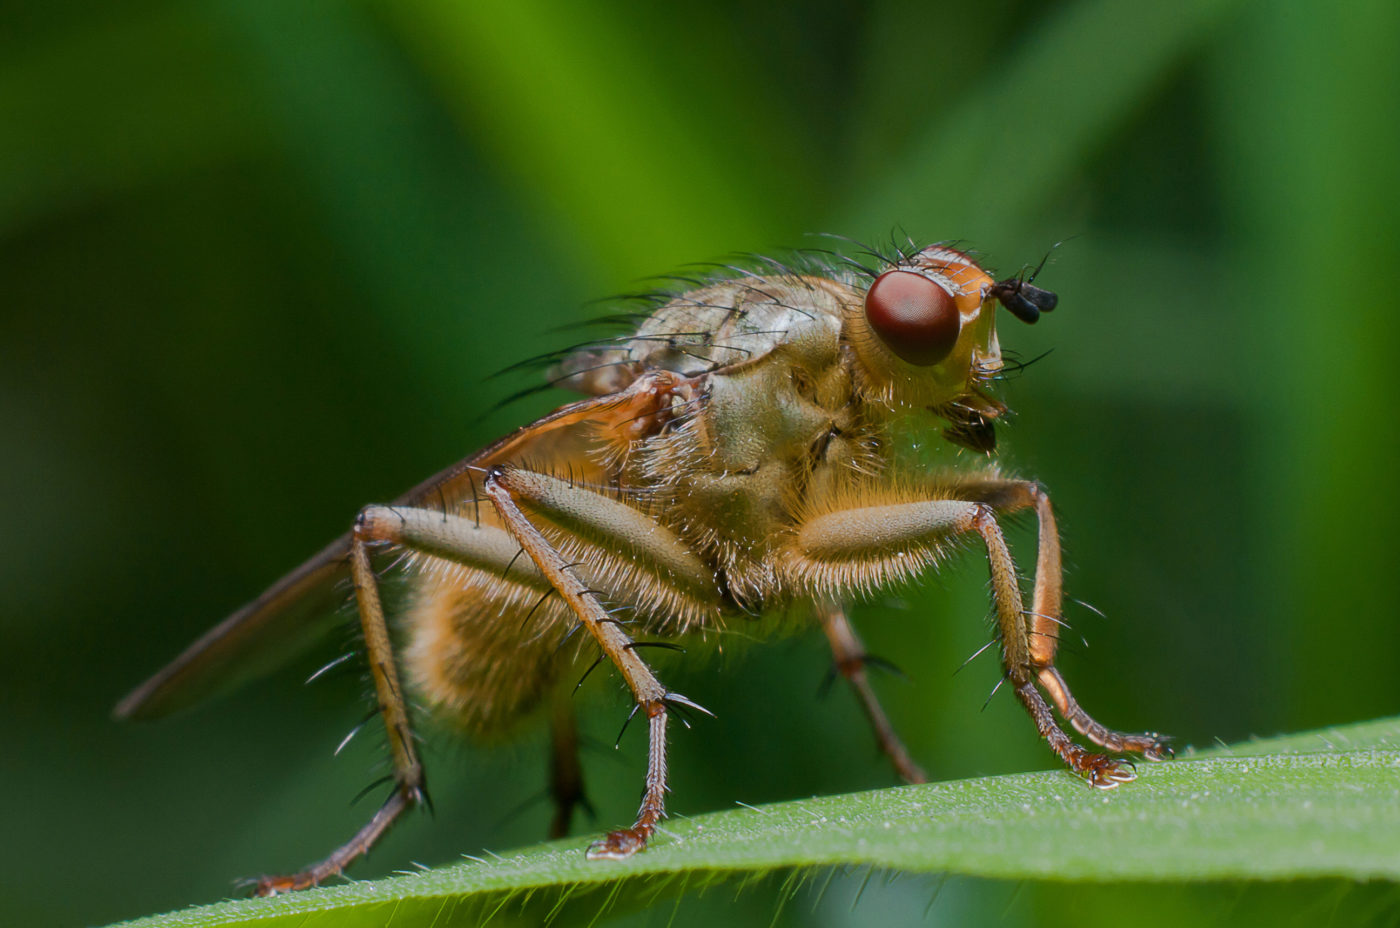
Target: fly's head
925 337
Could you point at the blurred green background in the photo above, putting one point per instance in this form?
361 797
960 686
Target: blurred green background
257 258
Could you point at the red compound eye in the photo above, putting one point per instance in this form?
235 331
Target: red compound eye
916 318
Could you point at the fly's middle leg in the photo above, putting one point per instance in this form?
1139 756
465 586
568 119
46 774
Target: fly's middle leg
597 515
850 657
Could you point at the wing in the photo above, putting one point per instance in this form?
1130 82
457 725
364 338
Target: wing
301 607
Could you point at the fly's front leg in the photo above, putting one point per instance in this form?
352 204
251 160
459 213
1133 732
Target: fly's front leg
393 708
850 657
1046 619
864 547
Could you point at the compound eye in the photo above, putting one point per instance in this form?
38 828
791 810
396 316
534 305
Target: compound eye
916 318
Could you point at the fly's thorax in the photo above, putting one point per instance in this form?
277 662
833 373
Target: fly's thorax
767 428
711 327
733 322
923 333
769 409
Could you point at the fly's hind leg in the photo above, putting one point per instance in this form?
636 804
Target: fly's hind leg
850 657
409 780
655 553
864 547
608 523
565 771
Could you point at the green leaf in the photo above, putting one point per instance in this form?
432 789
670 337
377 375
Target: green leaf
1320 804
